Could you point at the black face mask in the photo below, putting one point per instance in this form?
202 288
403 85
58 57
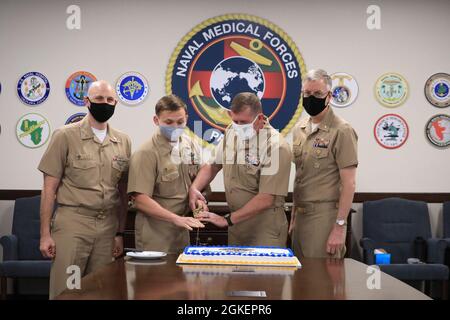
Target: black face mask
101 111
314 105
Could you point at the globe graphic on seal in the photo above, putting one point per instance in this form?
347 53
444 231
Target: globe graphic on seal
235 75
441 90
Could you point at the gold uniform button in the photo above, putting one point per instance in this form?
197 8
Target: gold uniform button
317 152
316 165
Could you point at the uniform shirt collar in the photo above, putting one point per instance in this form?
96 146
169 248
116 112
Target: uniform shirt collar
323 125
87 133
164 145
243 144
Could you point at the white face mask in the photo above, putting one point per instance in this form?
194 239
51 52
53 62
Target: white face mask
172 133
245 131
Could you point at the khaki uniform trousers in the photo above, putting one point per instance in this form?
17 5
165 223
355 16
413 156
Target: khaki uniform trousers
313 224
268 228
83 238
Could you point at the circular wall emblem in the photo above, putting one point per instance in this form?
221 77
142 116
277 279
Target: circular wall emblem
33 130
391 90
33 88
391 131
234 53
344 90
437 130
132 88
75 117
77 86
437 90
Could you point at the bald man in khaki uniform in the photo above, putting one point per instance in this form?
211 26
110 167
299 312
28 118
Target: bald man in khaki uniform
256 163
161 172
325 155
87 176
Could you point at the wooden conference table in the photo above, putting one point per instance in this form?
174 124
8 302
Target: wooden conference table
328 279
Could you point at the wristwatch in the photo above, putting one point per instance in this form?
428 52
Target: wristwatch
341 222
228 218
120 234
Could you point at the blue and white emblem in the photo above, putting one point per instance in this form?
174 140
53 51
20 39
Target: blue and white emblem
33 88
344 90
75 117
132 88
437 90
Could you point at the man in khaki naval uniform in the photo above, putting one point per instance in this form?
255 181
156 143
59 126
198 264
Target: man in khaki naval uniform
85 168
256 163
325 155
161 171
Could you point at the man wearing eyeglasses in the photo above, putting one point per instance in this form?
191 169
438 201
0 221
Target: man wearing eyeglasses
85 169
325 156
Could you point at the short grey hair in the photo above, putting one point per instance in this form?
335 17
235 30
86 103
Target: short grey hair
318 74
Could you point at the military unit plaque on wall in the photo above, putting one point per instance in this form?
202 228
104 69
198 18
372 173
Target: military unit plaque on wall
32 130
75 117
33 88
132 88
235 53
437 90
391 131
77 86
437 130
344 90
391 90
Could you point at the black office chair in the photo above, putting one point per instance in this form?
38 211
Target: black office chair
402 228
21 255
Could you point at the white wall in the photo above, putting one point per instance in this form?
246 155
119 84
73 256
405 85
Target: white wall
330 34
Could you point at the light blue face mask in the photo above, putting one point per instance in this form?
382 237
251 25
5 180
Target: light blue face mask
172 133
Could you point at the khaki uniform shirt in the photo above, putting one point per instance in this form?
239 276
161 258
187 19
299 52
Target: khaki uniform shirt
319 155
164 173
166 179
89 170
249 168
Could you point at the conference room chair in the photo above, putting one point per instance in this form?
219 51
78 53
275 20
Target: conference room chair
21 255
402 228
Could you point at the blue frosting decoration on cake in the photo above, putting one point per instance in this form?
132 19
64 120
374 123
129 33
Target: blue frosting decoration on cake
236 251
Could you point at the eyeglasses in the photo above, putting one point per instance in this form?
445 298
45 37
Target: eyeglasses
317 94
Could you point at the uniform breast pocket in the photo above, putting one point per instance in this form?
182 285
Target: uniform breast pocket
169 183
85 173
249 176
119 167
321 156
